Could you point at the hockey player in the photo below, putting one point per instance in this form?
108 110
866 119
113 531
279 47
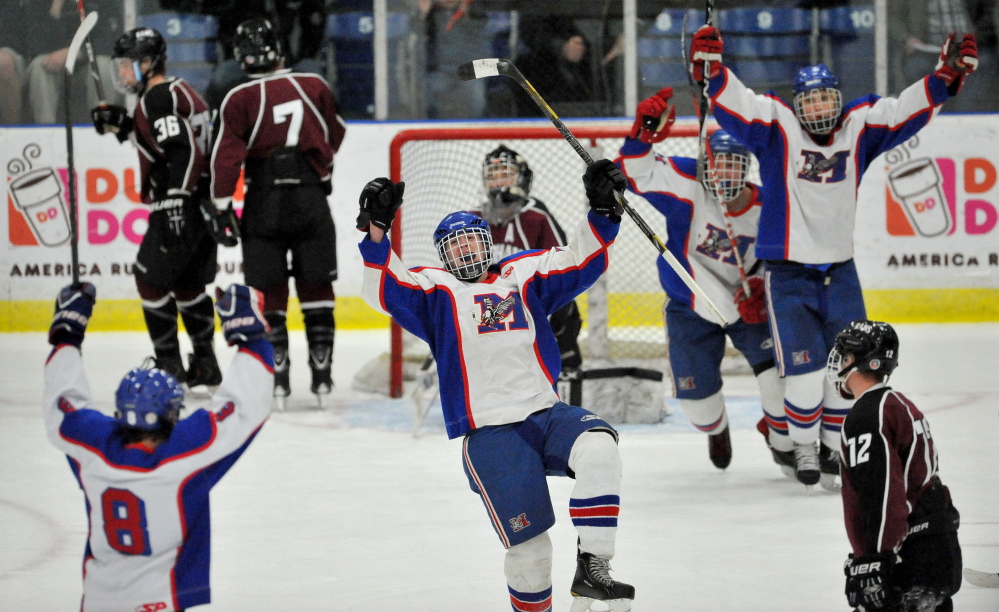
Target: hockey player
171 128
145 473
520 222
487 325
899 516
697 234
284 127
812 156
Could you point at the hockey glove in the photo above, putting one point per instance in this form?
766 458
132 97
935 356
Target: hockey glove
172 208
957 61
380 199
752 308
112 119
654 117
241 309
72 313
602 180
868 580
222 224
706 48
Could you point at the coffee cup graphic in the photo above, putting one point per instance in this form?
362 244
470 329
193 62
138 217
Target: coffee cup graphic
38 194
916 184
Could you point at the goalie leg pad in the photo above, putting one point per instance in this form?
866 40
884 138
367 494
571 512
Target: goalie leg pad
772 398
803 405
708 414
595 500
528 569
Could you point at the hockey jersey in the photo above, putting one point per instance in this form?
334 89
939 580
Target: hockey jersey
497 356
172 131
810 183
532 228
149 539
889 464
696 232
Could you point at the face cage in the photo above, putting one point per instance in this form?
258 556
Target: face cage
127 66
727 189
818 122
466 252
502 175
501 206
837 373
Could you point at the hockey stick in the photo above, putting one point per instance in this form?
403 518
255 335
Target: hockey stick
482 68
426 383
987 580
74 49
92 59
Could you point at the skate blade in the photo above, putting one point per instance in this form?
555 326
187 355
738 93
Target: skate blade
201 391
789 472
586 604
830 482
987 580
280 403
322 400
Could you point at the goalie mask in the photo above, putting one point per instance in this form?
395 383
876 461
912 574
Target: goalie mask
256 46
726 177
148 399
864 346
131 50
507 179
464 243
817 99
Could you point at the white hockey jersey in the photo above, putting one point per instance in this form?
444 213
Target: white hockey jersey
696 232
810 189
149 541
497 356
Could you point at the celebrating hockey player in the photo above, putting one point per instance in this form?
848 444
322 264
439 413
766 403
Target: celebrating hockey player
691 199
146 473
812 156
171 128
284 127
487 325
521 222
899 516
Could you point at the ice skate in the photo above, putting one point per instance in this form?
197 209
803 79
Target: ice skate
282 380
720 449
829 467
593 583
784 459
172 365
321 364
203 370
806 464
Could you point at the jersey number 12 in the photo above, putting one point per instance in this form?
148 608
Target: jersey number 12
859 449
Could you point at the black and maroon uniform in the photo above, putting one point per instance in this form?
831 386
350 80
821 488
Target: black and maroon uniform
893 498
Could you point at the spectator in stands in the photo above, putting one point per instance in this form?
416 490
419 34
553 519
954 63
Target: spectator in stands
560 67
11 64
455 34
48 28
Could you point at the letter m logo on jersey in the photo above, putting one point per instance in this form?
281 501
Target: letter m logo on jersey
815 166
497 314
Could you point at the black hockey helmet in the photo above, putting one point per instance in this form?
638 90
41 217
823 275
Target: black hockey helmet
507 179
257 46
130 50
873 346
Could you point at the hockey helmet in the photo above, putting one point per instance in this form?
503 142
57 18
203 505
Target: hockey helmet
507 179
148 399
818 101
729 168
464 243
864 346
256 46
130 50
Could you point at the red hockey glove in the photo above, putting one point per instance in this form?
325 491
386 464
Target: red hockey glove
752 308
706 47
957 61
654 117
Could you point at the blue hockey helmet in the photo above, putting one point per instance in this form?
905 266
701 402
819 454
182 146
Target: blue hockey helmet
818 101
148 399
726 176
464 243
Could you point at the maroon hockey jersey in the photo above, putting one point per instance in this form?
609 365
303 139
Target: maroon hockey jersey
172 131
273 111
889 462
532 228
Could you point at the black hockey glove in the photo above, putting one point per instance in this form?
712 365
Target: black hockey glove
601 180
380 199
868 580
172 209
222 224
72 313
112 119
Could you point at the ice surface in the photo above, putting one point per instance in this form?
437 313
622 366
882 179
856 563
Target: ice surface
344 510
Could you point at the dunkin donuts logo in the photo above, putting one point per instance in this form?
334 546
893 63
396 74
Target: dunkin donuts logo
35 205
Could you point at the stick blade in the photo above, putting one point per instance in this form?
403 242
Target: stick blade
988 580
81 34
481 68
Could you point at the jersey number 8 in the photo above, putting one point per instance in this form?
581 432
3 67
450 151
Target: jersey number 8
125 522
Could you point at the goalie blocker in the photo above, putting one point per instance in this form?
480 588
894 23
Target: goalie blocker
617 394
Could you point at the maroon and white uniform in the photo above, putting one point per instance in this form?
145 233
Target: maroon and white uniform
532 228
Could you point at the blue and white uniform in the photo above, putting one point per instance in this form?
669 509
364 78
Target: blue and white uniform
149 541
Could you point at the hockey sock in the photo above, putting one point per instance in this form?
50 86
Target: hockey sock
199 319
528 569
834 413
772 398
803 405
320 329
161 321
708 414
596 497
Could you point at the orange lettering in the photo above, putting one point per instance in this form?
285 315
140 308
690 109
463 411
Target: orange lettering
130 191
98 178
971 167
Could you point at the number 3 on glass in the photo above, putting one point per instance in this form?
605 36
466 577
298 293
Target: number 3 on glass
125 522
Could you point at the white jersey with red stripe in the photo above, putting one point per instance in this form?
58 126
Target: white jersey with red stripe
696 231
809 182
494 369
149 541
